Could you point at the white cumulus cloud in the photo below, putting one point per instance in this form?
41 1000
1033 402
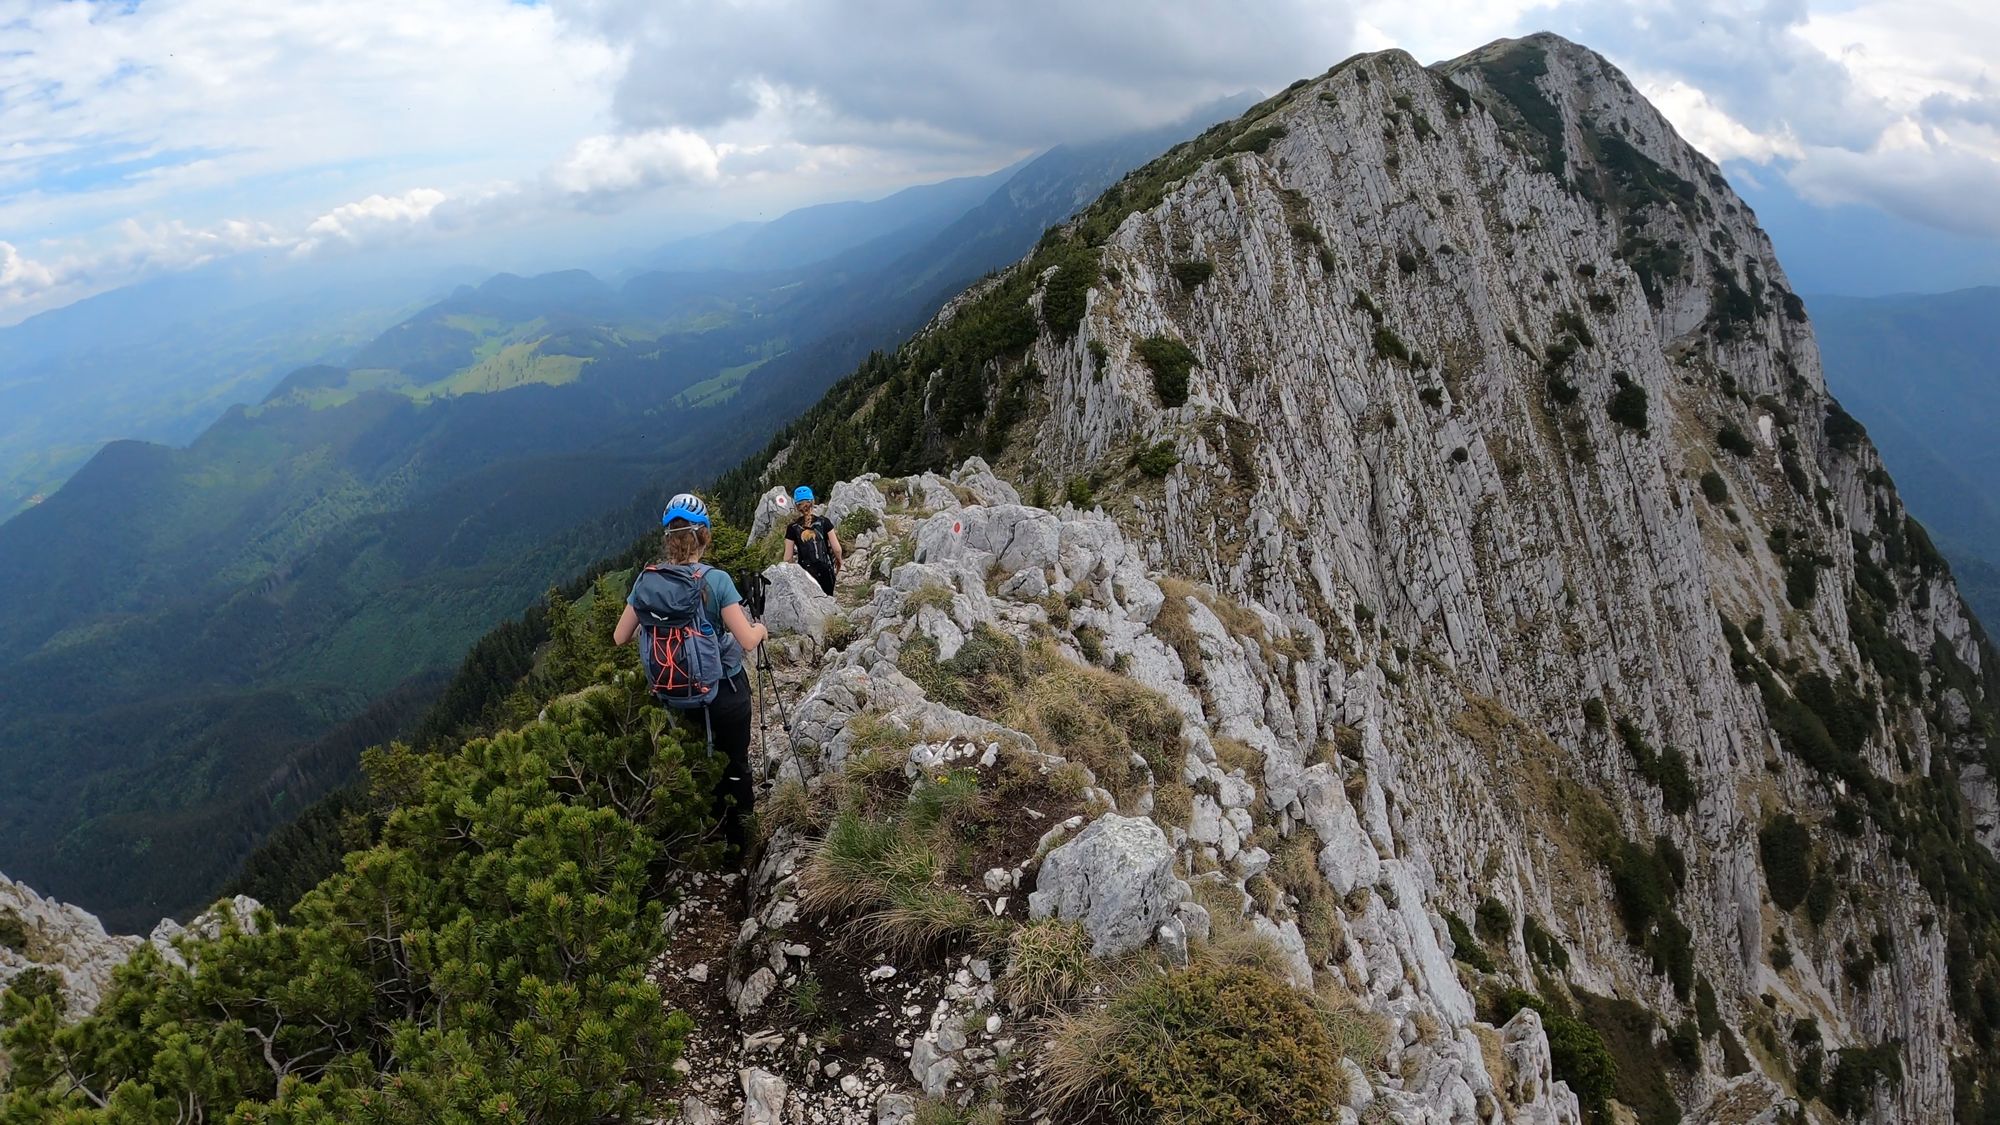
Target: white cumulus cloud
370 219
605 167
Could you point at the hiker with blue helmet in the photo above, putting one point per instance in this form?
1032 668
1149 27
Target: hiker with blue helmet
694 666
811 542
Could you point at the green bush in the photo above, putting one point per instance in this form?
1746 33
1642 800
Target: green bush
1857 1071
1388 345
1666 769
488 959
1068 292
1842 431
1627 406
1644 883
1732 440
1079 493
1577 1053
1191 274
1494 921
1714 487
858 522
1708 1014
17 999
1257 140
1685 1042
1594 712
1170 361
1786 848
1465 947
1211 1043
1542 945
13 932
1158 459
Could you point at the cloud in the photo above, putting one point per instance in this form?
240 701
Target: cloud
199 109
22 276
1884 103
895 73
370 219
602 169
1939 185
138 136
139 250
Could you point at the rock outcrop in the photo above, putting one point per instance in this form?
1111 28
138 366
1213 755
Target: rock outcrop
42 934
1127 866
1539 583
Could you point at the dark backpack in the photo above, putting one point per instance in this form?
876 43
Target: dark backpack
813 552
677 639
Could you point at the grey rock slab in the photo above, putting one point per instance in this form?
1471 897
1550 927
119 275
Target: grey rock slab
1116 878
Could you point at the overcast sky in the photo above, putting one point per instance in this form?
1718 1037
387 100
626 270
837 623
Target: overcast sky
155 135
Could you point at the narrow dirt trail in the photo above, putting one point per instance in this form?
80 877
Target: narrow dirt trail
706 918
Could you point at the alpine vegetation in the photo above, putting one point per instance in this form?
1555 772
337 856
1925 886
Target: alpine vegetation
1369 621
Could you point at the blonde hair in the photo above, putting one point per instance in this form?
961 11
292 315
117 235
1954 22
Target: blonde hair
683 542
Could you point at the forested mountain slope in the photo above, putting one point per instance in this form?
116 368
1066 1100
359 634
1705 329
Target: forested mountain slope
181 627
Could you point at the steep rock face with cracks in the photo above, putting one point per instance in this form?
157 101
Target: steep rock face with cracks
1624 655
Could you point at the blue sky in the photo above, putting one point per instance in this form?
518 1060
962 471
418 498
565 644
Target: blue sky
154 136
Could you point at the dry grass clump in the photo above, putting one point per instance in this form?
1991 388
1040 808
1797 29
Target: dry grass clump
1295 867
1173 625
1048 962
1173 804
840 631
885 860
1209 1043
1235 754
788 806
933 595
932 1111
1096 717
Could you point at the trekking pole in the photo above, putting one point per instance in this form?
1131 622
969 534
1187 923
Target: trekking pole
764 669
754 604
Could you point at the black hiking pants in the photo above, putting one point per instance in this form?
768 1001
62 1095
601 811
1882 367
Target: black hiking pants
823 573
727 720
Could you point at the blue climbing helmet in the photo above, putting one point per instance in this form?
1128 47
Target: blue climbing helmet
686 506
803 494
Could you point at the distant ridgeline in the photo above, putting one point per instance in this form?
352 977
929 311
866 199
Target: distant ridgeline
183 632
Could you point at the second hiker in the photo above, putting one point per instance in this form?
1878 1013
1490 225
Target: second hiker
694 666
811 541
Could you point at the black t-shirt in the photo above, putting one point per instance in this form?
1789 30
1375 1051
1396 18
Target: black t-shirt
809 541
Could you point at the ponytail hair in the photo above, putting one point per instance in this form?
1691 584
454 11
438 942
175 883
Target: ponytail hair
683 542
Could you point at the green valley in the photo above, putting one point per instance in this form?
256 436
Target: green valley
189 634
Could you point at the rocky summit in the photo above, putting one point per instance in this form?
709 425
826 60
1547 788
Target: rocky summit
1614 652
1377 619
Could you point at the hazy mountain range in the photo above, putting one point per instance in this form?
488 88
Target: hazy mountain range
1922 372
178 624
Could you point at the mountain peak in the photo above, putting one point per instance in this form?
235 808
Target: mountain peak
1484 373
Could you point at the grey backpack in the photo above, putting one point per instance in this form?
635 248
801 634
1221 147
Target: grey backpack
677 639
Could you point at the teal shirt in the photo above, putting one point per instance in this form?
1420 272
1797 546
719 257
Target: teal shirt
718 593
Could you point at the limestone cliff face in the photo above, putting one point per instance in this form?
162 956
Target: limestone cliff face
1499 390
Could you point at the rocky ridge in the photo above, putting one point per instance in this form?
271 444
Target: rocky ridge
40 934
956 563
1483 386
